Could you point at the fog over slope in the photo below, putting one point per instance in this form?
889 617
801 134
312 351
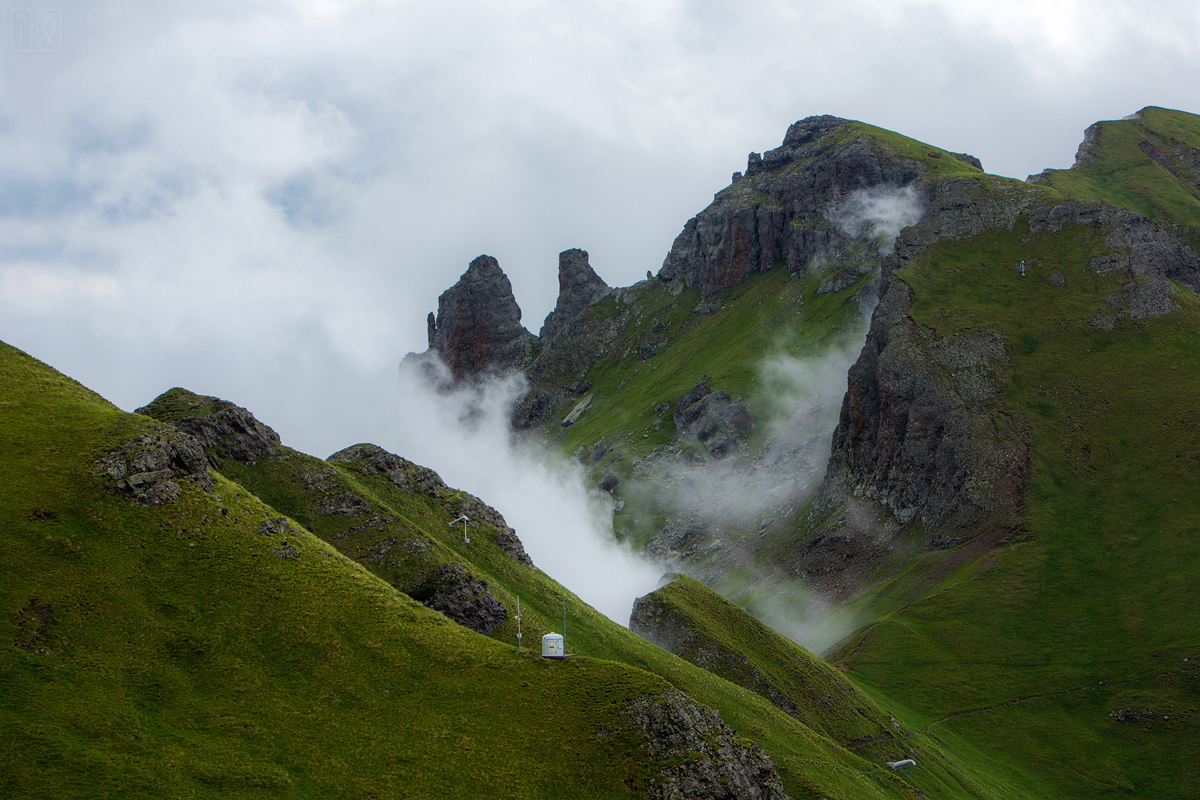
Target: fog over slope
566 529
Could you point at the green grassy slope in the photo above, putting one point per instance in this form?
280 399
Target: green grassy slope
170 651
713 633
1149 163
1029 651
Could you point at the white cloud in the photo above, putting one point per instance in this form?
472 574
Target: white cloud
566 529
878 212
44 287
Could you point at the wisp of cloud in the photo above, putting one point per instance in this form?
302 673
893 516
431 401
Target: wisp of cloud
567 530
879 212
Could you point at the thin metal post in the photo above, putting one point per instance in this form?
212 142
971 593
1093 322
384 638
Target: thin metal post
463 520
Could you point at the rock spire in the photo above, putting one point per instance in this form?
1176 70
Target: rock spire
478 323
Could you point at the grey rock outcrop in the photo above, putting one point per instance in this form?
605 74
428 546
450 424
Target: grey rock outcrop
1139 247
681 539
478 323
148 468
223 429
462 597
1132 714
701 756
967 158
232 433
610 482
711 418
578 288
374 460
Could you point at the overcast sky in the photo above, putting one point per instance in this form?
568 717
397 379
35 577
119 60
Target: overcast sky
262 200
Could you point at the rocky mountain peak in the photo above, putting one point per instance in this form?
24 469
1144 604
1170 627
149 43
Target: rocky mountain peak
798 135
778 213
478 323
810 128
578 287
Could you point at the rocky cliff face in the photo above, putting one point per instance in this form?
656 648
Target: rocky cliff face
578 287
778 211
918 435
921 443
701 756
478 323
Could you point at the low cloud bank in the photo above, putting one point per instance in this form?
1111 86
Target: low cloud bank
567 529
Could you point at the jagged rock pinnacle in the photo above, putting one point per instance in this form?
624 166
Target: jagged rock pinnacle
578 287
478 323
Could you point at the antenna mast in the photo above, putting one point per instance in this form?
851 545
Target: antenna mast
518 623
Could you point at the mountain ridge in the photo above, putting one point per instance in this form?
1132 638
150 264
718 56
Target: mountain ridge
949 475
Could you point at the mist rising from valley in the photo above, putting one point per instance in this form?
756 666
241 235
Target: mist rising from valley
464 435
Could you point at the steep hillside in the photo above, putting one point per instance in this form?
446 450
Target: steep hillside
696 624
393 518
1089 607
338 501
871 386
168 634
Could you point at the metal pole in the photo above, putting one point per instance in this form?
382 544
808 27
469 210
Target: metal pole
463 520
564 601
